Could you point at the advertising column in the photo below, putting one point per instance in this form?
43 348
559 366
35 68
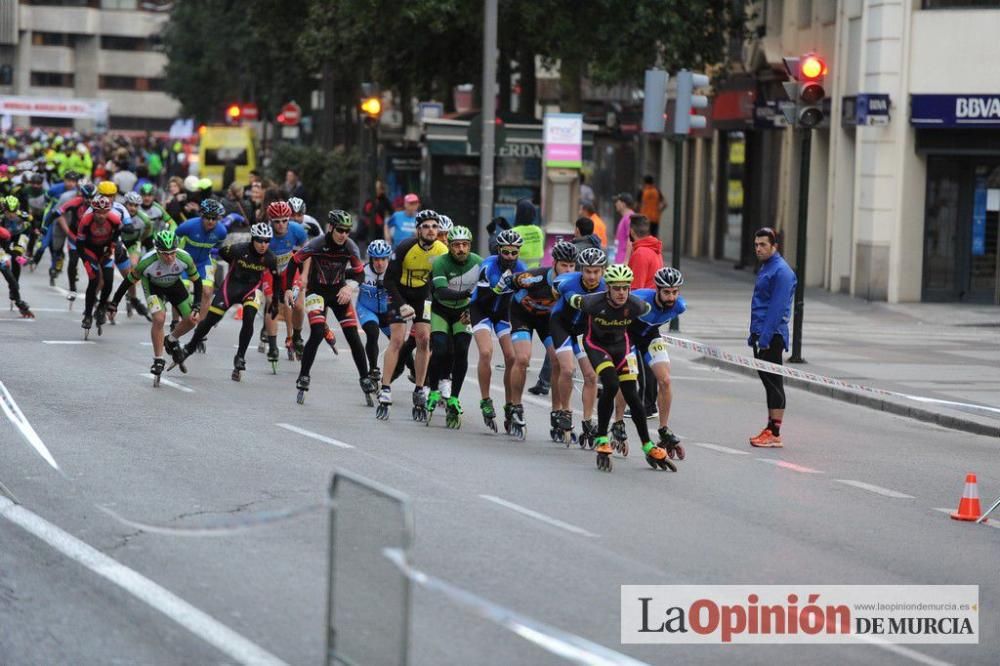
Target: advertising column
563 136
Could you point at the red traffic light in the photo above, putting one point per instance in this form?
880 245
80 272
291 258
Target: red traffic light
812 67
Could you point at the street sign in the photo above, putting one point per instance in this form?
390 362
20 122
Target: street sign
872 109
563 135
249 111
291 114
970 110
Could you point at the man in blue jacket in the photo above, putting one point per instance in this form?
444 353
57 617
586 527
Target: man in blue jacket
770 311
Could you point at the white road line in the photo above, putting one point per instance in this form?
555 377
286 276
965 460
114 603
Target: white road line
719 448
903 651
992 523
875 489
167 382
308 433
194 620
64 292
555 522
791 466
68 342
63 310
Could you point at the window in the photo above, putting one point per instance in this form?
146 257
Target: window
52 79
52 39
961 4
130 83
120 4
120 43
64 3
805 13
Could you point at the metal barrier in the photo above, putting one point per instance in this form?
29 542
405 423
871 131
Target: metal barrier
368 602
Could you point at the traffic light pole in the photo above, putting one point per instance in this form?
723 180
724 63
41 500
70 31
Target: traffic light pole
675 258
800 248
487 149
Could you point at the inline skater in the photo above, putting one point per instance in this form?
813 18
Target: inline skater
250 264
288 238
665 304
199 236
158 216
608 347
565 325
490 316
160 272
130 249
331 271
308 222
408 281
96 236
454 277
9 249
530 310
67 221
16 226
373 304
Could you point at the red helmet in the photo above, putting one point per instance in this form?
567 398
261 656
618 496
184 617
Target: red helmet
279 210
100 202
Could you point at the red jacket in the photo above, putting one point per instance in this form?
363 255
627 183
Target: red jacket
646 259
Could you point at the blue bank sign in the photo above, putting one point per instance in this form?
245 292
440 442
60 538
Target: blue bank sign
955 110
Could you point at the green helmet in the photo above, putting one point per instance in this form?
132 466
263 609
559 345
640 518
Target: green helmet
165 241
11 204
146 188
460 234
618 274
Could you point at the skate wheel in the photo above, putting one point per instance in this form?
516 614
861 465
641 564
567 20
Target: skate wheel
666 464
156 381
652 462
680 452
624 449
521 434
368 400
301 397
235 376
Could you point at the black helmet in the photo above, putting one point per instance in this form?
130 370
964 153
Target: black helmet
88 191
340 219
426 214
564 251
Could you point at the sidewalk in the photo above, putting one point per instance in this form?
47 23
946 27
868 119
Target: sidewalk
945 351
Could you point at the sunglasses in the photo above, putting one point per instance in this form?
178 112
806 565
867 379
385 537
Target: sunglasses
510 253
619 287
210 217
341 230
168 253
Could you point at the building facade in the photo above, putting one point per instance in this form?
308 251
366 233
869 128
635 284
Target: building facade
88 49
904 188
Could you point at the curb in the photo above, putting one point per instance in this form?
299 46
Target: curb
872 402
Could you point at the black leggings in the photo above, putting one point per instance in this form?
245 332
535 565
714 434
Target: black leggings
449 359
12 282
213 318
317 334
74 259
611 384
405 359
372 333
774 385
108 273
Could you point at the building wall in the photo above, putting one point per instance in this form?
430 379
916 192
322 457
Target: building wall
88 62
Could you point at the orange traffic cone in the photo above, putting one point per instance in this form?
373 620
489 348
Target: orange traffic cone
239 313
968 506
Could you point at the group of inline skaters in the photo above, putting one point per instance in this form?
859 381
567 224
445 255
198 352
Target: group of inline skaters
430 296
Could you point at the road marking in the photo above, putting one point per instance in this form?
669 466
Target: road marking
726 380
903 651
308 433
63 310
17 417
875 489
194 620
720 448
791 466
68 342
992 523
167 382
555 522
64 292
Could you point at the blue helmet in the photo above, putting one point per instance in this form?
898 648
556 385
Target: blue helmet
379 249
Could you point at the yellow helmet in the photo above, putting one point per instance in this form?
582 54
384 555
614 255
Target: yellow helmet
107 188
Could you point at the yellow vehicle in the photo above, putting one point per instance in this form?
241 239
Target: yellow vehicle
223 145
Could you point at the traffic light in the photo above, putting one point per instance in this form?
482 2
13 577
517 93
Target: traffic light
233 113
805 90
371 108
687 102
654 101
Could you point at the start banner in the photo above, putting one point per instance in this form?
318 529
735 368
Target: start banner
53 107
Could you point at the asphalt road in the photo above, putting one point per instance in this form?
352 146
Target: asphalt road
531 526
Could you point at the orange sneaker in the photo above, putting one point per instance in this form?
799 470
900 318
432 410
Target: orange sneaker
766 440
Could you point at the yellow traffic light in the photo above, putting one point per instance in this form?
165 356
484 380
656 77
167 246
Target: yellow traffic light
372 106
233 112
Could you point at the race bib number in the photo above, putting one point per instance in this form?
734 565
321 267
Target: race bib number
427 309
210 271
633 364
154 304
658 346
314 303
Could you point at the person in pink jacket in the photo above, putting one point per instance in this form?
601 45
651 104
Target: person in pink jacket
623 206
647 253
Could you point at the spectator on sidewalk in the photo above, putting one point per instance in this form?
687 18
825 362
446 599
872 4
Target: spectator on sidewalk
584 236
525 223
376 211
652 204
403 223
770 311
586 191
623 206
600 228
647 253
294 186
494 228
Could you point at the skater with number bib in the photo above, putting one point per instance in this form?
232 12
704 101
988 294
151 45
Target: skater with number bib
609 348
331 270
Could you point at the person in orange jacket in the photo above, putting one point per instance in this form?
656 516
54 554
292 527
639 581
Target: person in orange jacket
647 253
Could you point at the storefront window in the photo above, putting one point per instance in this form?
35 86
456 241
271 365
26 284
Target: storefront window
983 245
941 228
